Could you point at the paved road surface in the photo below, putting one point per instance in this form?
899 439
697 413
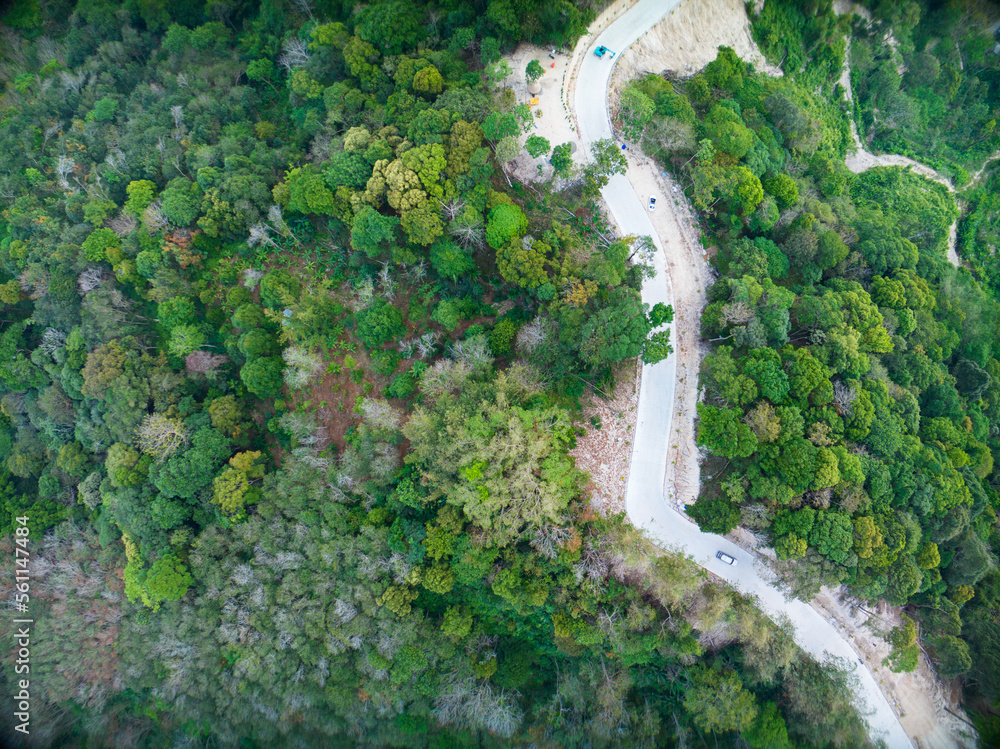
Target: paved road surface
644 498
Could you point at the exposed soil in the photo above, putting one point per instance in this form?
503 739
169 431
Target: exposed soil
605 451
688 38
921 698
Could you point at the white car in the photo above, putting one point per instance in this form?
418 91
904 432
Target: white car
652 202
726 558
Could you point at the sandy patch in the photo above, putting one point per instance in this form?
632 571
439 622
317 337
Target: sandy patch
606 452
554 116
920 699
688 38
551 116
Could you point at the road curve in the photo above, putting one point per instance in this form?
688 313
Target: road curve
645 502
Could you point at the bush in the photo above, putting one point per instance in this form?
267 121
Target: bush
263 377
279 289
96 246
449 313
379 323
715 514
384 362
502 336
402 386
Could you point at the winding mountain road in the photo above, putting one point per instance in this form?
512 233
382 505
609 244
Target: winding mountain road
645 501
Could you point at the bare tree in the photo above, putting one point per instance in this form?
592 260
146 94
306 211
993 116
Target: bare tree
302 366
64 167
260 234
305 7
549 539
533 335
380 414
153 218
161 436
295 54
364 295
73 81
52 339
204 362
251 277
417 271
843 398
178 114
277 220
387 282
467 234
445 376
453 208
427 343
738 313
123 224
90 279
116 160
473 351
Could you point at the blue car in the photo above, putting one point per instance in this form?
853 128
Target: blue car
601 50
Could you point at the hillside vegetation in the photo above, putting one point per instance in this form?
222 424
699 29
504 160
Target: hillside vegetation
288 381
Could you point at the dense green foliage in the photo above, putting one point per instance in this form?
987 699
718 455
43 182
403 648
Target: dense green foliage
934 94
289 387
852 401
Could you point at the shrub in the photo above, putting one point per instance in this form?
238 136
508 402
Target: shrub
384 362
379 323
402 386
502 336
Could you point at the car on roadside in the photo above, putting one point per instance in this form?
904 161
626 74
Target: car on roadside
602 50
726 558
652 202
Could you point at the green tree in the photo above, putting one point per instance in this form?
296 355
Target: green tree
537 146
505 223
450 260
167 580
185 338
125 466
99 242
378 323
715 514
562 160
718 703
616 331
768 730
533 71
140 194
722 431
307 192
606 161
905 655
373 233
951 656
636 113
783 188
263 376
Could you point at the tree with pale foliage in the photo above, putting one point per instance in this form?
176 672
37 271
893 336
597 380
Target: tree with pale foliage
204 362
161 436
301 366
717 702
